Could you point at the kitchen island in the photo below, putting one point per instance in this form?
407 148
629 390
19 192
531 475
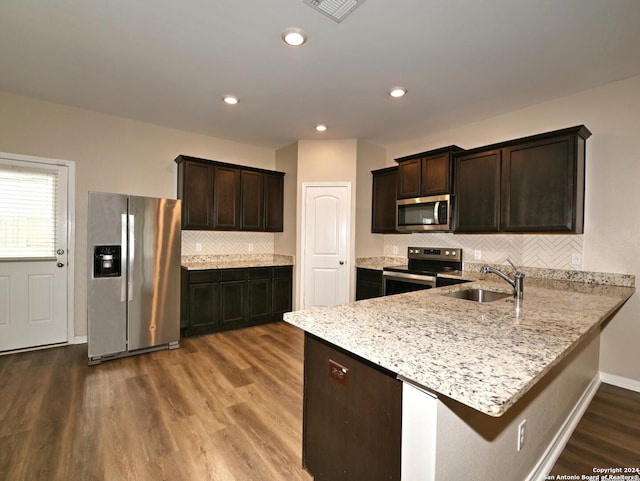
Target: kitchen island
472 372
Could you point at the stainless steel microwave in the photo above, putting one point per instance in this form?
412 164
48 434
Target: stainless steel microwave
424 214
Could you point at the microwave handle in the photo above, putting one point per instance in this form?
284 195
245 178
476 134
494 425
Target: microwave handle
436 208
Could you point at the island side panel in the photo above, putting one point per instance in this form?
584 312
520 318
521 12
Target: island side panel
472 443
352 424
419 429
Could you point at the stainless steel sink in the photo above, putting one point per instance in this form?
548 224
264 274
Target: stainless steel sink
478 295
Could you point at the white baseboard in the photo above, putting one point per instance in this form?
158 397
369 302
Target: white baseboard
553 451
79 340
620 381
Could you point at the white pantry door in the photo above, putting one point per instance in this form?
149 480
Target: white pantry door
33 252
325 244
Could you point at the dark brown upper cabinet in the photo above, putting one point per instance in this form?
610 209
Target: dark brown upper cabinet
533 184
273 201
226 198
543 185
194 188
477 199
383 205
252 200
426 173
221 196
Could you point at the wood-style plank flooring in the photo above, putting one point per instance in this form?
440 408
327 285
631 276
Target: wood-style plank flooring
222 407
225 406
607 436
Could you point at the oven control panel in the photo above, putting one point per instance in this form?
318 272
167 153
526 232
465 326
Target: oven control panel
436 253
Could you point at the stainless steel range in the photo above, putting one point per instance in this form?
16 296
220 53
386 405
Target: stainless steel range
422 269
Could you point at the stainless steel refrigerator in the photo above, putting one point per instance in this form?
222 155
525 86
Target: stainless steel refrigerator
133 288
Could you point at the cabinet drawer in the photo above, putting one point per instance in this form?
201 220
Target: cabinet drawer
371 275
209 275
259 272
233 274
282 271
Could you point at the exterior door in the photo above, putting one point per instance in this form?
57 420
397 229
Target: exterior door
325 245
33 252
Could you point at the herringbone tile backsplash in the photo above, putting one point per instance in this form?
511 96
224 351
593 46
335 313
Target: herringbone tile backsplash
547 251
218 243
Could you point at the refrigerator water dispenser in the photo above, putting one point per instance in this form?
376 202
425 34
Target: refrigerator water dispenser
107 261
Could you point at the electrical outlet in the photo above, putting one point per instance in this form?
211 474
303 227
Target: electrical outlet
576 259
198 247
521 427
250 247
394 249
477 254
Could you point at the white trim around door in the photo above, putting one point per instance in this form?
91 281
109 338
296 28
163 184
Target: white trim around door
70 230
325 216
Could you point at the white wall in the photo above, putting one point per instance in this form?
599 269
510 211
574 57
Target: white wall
285 243
112 154
611 240
370 157
287 162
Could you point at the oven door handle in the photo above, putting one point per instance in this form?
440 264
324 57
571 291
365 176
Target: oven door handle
405 277
389 277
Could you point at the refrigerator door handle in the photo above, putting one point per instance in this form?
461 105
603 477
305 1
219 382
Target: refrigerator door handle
123 258
131 257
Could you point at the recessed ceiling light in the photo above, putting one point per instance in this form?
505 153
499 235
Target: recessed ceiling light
397 92
294 36
230 99
321 128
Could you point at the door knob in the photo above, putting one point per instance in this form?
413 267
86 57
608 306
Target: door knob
60 264
341 263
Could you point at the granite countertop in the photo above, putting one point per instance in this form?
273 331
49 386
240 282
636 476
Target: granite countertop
378 263
481 355
232 261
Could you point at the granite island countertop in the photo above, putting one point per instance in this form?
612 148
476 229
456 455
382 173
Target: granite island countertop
481 355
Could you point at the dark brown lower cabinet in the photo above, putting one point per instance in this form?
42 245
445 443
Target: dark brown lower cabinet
352 416
369 283
282 291
233 297
222 299
259 289
200 296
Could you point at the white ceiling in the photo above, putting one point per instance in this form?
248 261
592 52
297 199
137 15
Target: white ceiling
169 62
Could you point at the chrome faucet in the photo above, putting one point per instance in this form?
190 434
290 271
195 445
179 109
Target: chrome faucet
517 283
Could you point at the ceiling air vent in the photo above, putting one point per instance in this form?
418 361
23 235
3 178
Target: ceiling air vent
336 10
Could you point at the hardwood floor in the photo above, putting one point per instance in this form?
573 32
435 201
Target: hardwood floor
222 407
226 406
607 436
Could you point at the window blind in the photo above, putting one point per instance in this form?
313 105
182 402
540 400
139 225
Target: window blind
27 212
